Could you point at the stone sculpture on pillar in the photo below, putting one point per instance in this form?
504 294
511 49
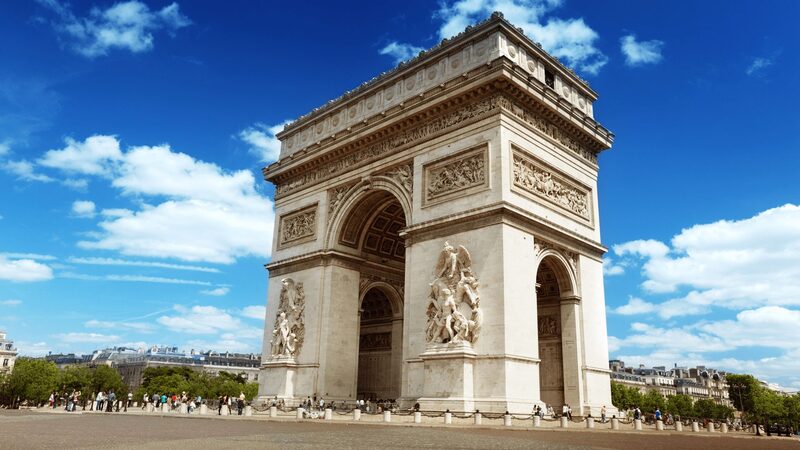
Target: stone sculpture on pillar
454 295
287 336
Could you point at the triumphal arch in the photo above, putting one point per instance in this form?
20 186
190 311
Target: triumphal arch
437 237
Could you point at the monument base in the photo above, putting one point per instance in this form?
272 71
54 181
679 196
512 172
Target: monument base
449 370
279 373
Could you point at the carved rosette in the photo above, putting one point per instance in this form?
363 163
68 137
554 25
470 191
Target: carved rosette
453 309
535 178
298 227
289 330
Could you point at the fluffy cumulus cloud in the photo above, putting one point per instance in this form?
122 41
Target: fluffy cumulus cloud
400 52
126 25
611 268
255 312
188 209
205 320
216 292
570 40
26 171
83 208
23 270
638 53
262 141
634 306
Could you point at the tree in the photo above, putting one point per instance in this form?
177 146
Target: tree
106 379
741 391
625 397
680 405
653 400
75 378
32 380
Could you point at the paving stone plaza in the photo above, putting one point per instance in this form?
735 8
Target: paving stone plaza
30 429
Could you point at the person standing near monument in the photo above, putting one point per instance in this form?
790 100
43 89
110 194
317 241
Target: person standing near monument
603 414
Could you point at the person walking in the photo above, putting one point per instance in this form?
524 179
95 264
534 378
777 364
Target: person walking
603 414
99 401
112 399
129 402
240 403
221 401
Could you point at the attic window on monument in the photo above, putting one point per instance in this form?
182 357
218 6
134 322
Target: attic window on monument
549 79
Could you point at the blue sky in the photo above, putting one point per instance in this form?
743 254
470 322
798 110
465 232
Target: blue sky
132 134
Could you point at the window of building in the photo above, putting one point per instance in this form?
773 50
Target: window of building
5 362
549 78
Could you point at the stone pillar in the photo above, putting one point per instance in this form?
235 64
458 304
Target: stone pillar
184 408
203 409
614 423
659 425
695 427
507 420
590 422
225 411
678 426
248 410
537 421
150 407
273 411
164 408
299 414
571 351
417 417
637 424
723 427
448 417
135 404
478 418
448 393
356 414
710 427
387 416
328 414
564 422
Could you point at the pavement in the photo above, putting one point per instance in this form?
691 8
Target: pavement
44 429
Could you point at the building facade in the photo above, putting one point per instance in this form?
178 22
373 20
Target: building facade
437 237
8 354
698 382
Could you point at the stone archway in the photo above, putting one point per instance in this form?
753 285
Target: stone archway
380 343
557 312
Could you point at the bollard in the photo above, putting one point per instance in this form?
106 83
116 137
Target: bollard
328 414
417 417
248 410
203 409
695 427
507 419
150 407
164 408
273 411
135 405
300 412
710 427
659 425
387 416
637 424
564 422
184 408
537 421
723 427
448 417
590 422
678 426
614 423
225 410
356 414
478 418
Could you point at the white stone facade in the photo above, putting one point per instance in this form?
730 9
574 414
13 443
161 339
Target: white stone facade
8 354
467 146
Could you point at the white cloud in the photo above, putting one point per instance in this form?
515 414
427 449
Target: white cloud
610 268
38 256
731 264
93 338
262 140
758 65
217 292
638 53
10 303
124 262
127 25
97 155
132 278
255 312
5 148
400 52
571 40
34 349
217 220
139 327
635 306
202 320
25 170
83 209
23 270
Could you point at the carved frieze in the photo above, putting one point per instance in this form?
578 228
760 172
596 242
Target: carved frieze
289 329
535 178
375 341
404 175
457 175
549 326
336 198
299 226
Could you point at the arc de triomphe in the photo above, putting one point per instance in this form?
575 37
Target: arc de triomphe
437 237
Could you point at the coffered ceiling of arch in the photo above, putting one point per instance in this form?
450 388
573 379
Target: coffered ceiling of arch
375 226
546 282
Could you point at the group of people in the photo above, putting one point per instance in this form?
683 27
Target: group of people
102 401
173 401
227 401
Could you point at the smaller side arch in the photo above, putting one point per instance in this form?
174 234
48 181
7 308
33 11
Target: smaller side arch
395 298
565 275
